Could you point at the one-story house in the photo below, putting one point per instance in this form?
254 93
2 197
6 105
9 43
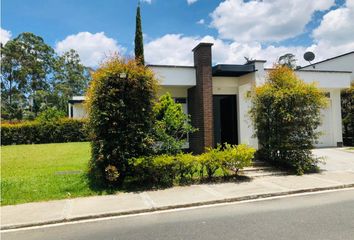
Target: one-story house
216 96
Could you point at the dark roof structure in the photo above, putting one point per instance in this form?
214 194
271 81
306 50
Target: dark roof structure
232 70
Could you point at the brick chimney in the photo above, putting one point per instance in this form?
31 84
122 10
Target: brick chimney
200 100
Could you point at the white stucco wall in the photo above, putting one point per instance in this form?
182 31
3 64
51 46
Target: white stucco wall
336 80
331 127
245 127
175 75
79 110
225 85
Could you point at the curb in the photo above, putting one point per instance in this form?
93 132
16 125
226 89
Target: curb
154 209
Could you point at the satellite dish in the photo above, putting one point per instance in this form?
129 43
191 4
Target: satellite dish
309 56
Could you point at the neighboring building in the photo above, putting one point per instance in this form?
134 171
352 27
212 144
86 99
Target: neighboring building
216 97
77 107
344 62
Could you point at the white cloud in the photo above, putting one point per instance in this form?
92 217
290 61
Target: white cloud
201 21
176 49
337 26
147 1
92 47
191 1
5 36
264 21
170 49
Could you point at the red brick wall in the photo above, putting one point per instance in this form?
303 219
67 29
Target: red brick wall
200 100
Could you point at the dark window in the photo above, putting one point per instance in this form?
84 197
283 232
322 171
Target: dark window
180 100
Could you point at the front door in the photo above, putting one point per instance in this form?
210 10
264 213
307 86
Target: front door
225 119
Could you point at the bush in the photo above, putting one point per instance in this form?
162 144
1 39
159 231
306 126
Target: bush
120 101
31 132
160 170
51 114
211 161
237 157
171 126
286 113
187 166
169 169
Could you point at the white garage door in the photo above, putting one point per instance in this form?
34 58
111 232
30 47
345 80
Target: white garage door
326 139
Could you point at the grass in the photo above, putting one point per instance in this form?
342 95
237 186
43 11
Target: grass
40 172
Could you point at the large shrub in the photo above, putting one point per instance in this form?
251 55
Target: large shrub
120 105
171 126
31 132
286 114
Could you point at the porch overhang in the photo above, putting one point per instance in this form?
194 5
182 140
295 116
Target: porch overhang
232 70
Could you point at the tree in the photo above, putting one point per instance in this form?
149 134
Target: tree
171 125
120 107
288 60
34 78
286 113
70 78
26 62
139 45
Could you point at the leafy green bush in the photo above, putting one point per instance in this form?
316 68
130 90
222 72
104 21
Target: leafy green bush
31 132
286 113
211 161
168 169
236 157
51 114
160 170
171 126
120 102
187 165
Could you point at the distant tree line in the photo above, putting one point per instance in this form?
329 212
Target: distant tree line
35 78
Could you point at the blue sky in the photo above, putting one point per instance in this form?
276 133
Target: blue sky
256 29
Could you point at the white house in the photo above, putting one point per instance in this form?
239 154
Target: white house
215 96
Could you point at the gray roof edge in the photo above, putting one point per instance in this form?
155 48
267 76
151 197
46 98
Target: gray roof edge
313 70
324 71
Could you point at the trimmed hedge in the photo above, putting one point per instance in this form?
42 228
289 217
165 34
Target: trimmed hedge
169 169
31 132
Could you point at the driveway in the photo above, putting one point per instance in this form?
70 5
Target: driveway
337 159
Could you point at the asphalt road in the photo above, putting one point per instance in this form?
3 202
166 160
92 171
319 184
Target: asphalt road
317 216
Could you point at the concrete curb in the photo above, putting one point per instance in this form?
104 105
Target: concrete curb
154 209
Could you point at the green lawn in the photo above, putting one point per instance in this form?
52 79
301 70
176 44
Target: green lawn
40 172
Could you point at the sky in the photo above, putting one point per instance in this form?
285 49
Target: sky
256 29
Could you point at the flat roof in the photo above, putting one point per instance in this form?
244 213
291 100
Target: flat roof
232 70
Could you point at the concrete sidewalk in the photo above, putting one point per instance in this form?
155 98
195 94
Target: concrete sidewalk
40 213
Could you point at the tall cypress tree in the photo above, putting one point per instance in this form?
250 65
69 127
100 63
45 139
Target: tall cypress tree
139 46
